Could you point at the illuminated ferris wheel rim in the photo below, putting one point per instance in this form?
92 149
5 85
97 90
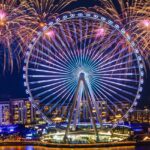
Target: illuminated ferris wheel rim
92 16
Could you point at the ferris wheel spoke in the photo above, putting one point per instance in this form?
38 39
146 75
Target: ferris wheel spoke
52 84
116 60
81 33
48 80
108 61
117 74
47 71
119 91
72 89
58 82
47 76
54 106
85 41
73 32
50 63
107 95
58 95
65 52
120 85
109 92
69 57
75 41
51 90
106 58
119 79
102 90
98 92
65 37
70 97
48 67
68 103
71 62
88 49
53 55
119 69
58 61
117 65
62 43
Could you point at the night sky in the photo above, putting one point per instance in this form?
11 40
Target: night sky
11 84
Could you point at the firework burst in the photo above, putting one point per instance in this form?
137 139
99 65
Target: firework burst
134 16
12 21
42 10
19 22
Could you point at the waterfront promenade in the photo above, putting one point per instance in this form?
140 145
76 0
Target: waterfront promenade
54 145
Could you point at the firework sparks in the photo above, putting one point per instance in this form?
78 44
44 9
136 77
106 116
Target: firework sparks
42 10
100 32
12 21
20 21
131 16
2 17
146 23
50 33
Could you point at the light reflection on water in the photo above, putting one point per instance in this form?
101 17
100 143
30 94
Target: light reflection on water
45 148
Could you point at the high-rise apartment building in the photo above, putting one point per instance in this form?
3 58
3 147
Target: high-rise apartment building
4 113
19 111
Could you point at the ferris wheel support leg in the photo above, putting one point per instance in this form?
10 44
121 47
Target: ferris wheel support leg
92 117
89 89
77 112
98 114
71 114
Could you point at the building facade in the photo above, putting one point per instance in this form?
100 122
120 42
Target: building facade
140 116
4 113
19 111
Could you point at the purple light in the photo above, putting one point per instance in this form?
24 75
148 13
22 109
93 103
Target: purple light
2 15
146 23
100 32
50 33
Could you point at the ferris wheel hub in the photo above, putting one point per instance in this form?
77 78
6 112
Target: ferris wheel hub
82 75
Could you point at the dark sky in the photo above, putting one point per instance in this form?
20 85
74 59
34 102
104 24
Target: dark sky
11 84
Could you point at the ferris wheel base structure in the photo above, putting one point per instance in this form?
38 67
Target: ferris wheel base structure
84 136
83 87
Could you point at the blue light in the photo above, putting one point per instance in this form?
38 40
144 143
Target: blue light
29 135
138 129
29 148
11 130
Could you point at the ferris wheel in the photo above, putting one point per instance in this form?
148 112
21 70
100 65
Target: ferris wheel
83 67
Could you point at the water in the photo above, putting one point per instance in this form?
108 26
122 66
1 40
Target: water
45 148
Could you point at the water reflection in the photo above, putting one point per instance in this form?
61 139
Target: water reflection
45 148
